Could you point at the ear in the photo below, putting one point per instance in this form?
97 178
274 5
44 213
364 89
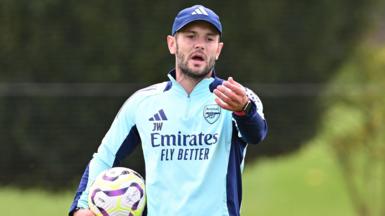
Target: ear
171 43
219 50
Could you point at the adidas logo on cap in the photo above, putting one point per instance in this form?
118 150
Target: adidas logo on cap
200 10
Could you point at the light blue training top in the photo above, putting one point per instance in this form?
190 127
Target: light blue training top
193 150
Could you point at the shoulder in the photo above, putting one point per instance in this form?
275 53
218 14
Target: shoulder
154 89
146 93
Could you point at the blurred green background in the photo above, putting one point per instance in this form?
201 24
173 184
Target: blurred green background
66 67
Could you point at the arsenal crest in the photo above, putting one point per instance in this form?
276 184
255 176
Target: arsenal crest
211 113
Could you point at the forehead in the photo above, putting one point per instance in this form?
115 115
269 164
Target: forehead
200 26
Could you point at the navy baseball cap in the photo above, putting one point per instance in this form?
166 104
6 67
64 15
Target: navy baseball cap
195 13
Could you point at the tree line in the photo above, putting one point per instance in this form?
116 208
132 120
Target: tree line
46 140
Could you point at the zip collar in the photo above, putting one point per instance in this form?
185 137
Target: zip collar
207 83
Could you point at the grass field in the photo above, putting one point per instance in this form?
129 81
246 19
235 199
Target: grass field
305 183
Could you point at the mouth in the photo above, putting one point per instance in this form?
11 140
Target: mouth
199 57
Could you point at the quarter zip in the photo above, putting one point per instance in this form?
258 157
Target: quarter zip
187 108
202 89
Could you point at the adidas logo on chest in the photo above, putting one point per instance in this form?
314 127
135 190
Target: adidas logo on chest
158 118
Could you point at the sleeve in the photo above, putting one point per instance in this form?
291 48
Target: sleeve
252 128
120 140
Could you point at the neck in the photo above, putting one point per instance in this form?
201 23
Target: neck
187 82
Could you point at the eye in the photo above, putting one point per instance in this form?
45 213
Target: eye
191 36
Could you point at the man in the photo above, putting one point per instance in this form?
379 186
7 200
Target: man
193 129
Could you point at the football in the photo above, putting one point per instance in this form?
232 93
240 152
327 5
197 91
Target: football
116 192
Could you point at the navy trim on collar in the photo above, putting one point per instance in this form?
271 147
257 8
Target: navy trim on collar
168 86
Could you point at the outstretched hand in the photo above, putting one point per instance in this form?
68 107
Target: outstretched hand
231 95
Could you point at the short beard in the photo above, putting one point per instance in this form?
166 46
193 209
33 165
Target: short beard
195 75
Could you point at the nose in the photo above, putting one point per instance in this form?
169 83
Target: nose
199 44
